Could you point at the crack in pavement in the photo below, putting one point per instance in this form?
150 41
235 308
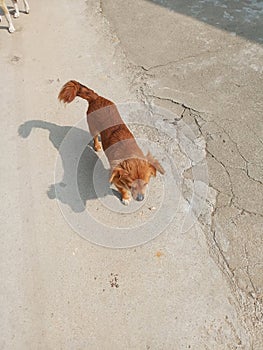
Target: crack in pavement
182 59
214 245
139 83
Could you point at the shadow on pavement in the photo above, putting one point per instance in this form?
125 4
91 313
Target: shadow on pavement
244 17
67 191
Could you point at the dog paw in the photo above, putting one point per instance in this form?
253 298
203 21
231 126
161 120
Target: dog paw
126 201
27 9
16 14
11 29
98 147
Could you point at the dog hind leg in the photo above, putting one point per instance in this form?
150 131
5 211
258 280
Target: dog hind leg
27 9
95 134
97 144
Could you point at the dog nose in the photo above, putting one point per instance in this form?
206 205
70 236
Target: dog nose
139 197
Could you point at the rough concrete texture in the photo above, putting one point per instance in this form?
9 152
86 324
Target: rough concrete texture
198 290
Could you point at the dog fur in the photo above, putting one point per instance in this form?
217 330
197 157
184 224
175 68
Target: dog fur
3 6
130 168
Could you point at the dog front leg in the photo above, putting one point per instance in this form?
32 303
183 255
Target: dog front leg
125 195
11 28
16 14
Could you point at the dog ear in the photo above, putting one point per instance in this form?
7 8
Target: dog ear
155 164
118 172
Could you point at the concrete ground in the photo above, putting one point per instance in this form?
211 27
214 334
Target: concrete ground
190 75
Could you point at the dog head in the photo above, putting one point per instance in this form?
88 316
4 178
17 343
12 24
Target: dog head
134 175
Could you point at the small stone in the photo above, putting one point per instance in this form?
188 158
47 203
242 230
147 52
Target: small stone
152 208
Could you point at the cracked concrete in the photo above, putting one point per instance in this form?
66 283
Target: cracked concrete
199 74
187 65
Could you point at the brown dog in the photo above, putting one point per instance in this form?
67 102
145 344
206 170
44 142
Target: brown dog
130 169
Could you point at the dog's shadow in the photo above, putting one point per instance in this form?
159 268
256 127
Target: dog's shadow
77 184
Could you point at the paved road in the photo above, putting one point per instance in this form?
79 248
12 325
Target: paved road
195 92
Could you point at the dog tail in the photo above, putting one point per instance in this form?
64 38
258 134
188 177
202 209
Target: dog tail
72 89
